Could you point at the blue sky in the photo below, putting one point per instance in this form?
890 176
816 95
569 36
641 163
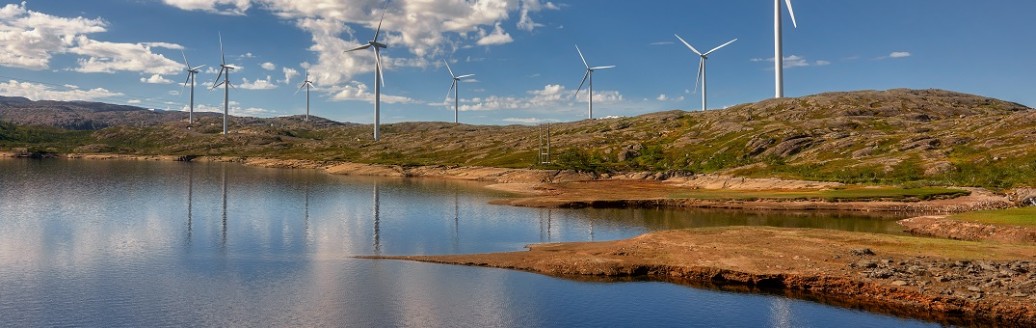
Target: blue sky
522 52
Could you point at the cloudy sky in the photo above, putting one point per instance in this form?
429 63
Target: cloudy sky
522 52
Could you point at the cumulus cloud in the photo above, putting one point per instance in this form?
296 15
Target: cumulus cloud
289 73
258 84
29 39
663 97
497 37
422 29
37 91
360 91
551 96
223 7
156 79
234 109
795 61
268 66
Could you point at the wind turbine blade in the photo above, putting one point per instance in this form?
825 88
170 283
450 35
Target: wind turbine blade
359 48
381 69
581 57
222 55
448 93
701 68
216 85
465 75
187 81
448 68
721 46
196 68
792 12
689 46
602 67
185 62
300 88
581 83
219 75
378 32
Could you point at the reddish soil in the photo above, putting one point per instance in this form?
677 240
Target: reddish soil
932 279
940 226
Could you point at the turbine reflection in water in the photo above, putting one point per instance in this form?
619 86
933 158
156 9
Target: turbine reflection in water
377 219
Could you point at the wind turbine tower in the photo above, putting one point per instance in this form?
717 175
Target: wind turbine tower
589 76
455 88
308 84
701 68
778 52
224 71
191 73
379 79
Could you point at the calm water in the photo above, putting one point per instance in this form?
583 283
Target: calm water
111 243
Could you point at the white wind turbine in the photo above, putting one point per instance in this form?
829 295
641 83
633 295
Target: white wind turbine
224 71
307 84
589 76
778 52
455 88
701 68
191 73
379 79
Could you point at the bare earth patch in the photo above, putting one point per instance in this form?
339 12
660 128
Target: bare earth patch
949 281
941 226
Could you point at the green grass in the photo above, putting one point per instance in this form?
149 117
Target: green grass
1022 216
835 195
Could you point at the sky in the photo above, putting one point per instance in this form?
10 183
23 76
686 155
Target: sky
522 52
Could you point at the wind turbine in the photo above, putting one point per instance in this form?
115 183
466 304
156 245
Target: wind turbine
455 88
224 71
589 76
191 72
778 53
379 79
701 68
307 83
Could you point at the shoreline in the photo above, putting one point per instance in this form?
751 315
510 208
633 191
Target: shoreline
899 275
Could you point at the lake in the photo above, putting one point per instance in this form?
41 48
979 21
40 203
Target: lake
135 244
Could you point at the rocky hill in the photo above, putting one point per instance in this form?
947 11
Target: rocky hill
894 136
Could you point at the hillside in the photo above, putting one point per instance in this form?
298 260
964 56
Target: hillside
895 136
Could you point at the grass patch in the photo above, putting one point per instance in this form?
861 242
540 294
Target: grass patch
1022 216
835 195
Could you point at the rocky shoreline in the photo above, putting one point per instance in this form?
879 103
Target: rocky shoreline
955 282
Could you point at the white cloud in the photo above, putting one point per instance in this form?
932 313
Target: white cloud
661 43
663 97
427 29
29 39
36 91
156 79
360 91
795 61
497 37
289 73
235 109
223 7
899 54
525 22
527 120
268 66
552 96
258 84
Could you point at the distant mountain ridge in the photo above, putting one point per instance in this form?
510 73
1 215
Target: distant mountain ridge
80 115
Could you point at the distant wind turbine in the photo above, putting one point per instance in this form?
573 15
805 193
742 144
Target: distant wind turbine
589 76
308 84
701 68
455 88
379 79
778 52
224 71
191 72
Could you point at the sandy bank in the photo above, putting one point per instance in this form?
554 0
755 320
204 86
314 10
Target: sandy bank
948 281
943 227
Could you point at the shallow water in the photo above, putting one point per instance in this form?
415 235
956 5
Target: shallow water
116 243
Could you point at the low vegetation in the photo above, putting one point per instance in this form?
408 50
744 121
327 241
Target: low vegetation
1022 216
910 138
855 193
